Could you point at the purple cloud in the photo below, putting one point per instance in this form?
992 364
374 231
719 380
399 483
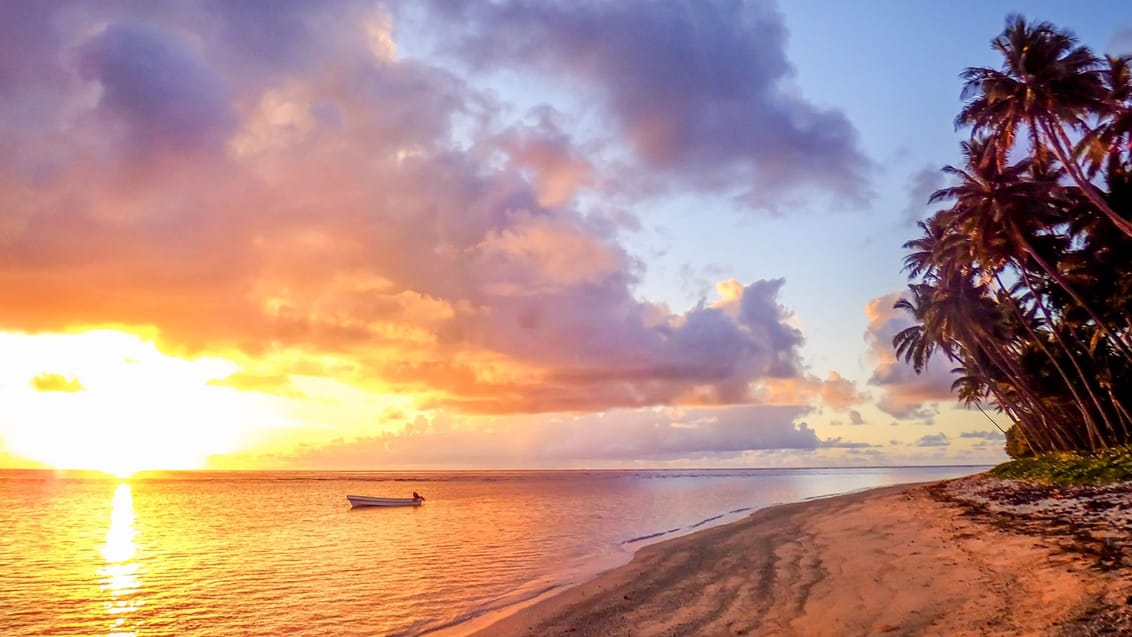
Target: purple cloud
906 395
921 185
332 200
157 88
699 91
589 439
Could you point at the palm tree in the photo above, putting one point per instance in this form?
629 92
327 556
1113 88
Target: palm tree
958 319
916 344
1000 210
1110 143
1020 281
1046 82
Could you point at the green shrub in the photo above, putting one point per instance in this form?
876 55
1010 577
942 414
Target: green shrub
1016 445
1105 466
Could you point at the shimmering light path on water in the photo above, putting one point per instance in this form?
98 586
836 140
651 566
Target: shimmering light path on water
227 554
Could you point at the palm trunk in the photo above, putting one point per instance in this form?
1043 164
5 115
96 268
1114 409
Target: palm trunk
1090 424
1006 366
1034 433
1056 140
1024 409
1052 273
1125 417
988 417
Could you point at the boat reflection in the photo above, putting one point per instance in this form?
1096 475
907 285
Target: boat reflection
118 578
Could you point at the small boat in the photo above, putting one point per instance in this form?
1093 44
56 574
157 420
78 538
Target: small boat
367 501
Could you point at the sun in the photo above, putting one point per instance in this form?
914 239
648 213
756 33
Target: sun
111 401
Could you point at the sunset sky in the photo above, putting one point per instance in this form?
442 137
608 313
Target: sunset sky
366 235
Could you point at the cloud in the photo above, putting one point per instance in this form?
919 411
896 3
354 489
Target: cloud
700 92
276 384
278 187
56 383
559 169
841 443
893 403
934 440
835 392
588 439
993 435
855 417
841 393
596 347
921 185
905 394
609 221
154 88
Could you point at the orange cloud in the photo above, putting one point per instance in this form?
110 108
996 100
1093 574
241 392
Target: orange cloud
591 439
339 222
56 383
841 393
277 384
905 394
836 391
558 168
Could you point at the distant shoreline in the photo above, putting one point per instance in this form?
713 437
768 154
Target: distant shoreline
149 473
914 559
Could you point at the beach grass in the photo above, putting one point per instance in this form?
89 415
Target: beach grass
1104 466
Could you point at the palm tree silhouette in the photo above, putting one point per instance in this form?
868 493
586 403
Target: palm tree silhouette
1047 83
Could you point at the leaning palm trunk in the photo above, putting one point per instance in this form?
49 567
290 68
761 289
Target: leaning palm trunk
1124 416
1059 142
1038 425
1085 380
1054 275
1052 426
1047 85
988 416
1090 423
1033 427
1055 424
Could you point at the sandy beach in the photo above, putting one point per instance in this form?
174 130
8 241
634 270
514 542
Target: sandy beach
966 557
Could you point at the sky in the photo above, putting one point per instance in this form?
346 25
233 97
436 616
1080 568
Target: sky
428 235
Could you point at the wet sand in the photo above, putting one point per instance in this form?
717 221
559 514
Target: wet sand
904 560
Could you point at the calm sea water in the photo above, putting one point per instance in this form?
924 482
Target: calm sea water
281 553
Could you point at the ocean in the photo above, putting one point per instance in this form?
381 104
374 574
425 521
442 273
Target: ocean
228 554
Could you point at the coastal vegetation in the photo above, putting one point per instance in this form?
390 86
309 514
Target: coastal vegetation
1023 282
1104 466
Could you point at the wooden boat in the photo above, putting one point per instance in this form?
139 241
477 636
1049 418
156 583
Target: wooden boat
367 501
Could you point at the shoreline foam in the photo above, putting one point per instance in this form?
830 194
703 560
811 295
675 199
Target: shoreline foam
926 559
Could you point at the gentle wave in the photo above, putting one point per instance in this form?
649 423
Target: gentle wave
690 527
225 554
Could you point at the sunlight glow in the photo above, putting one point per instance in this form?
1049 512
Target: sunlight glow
127 407
120 575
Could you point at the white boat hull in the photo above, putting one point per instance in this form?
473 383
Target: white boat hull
366 501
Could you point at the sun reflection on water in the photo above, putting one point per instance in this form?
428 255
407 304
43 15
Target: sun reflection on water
119 576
